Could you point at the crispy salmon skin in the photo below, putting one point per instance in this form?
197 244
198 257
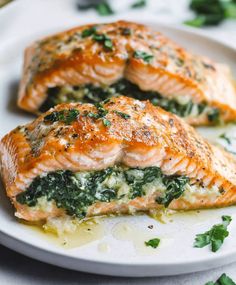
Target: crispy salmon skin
91 62
116 157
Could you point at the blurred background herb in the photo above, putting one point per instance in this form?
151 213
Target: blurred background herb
103 8
211 12
4 2
205 12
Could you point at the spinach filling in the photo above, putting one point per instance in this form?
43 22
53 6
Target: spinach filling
75 192
93 94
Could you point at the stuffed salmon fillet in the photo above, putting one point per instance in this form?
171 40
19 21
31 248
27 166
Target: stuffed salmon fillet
115 157
94 62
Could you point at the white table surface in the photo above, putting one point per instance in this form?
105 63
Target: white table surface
23 18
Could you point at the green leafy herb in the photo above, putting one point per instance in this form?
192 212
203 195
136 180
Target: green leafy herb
175 186
75 192
143 55
88 32
122 115
101 114
224 137
153 242
223 280
211 12
103 8
65 116
89 93
70 193
106 122
139 4
104 39
214 116
136 179
215 236
126 31
101 38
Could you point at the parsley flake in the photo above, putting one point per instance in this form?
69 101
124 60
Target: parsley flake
65 116
104 39
215 236
143 55
139 4
223 280
122 115
154 243
224 137
101 114
88 32
103 8
214 116
106 122
126 31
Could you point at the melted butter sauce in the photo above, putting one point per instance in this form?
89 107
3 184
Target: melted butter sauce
85 233
138 237
95 229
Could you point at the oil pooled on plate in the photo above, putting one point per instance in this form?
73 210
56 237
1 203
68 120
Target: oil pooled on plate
81 234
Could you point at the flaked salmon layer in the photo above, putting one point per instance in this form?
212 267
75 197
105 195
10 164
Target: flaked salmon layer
94 93
103 54
123 131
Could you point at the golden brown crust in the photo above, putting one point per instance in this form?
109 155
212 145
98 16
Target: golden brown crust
67 58
148 137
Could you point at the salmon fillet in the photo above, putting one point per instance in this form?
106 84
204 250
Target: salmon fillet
94 61
136 156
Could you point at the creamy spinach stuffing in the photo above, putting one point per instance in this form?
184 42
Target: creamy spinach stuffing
93 94
75 192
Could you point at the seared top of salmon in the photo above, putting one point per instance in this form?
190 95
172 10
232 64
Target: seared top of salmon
104 53
82 137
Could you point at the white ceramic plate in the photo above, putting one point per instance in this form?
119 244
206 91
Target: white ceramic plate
120 249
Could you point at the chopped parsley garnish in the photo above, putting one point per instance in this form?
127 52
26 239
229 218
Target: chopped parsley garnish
215 236
153 242
101 38
126 31
88 32
106 122
224 137
65 116
139 4
75 192
223 280
103 8
214 116
143 55
101 114
122 115
104 39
